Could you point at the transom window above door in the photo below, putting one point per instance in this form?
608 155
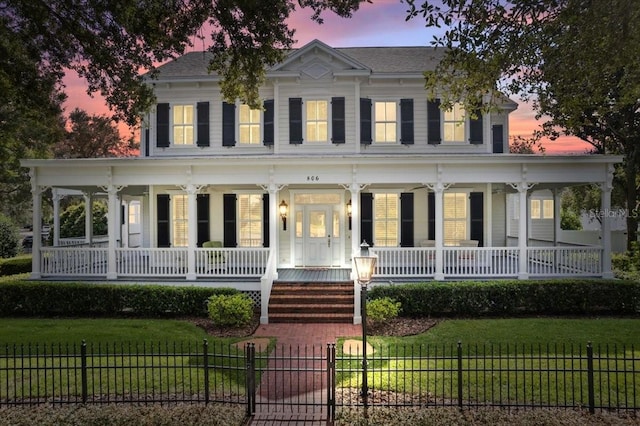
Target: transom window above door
183 120
386 124
317 120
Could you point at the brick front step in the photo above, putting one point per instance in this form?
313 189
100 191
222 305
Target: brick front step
311 302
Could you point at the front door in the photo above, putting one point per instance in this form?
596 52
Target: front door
318 239
318 230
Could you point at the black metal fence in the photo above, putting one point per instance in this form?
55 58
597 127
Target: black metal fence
317 379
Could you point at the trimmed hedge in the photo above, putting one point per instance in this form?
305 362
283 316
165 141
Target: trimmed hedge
15 265
22 298
514 297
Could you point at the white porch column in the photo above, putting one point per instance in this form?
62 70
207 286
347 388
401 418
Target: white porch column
36 192
557 216
439 211
112 222
523 237
192 230
88 218
56 197
354 190
605 227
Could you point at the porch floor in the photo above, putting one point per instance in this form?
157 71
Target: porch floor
304 275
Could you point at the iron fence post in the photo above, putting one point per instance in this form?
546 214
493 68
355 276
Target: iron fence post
460 374
250 359
590 385
331 382
205 361
83 371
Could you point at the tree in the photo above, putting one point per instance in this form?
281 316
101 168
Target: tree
92 136
72 220
578 61
109 42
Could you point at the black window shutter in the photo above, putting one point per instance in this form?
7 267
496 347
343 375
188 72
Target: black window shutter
268 132
406 219
475 129
476 207
146 142
431 215
433 122
265 220
162 208
498 139
229 219
203 123
365 121
406 121
366 217
228 124
337 120
162 125
202 202
295 121
122 214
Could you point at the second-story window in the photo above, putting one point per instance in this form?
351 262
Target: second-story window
453 124
385 122
317 122
249 125
183 124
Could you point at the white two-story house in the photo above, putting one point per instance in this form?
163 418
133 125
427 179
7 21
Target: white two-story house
347 148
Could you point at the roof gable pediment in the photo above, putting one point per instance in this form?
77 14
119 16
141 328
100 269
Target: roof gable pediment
317 60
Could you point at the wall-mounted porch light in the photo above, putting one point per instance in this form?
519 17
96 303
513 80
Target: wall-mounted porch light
349 211
284 209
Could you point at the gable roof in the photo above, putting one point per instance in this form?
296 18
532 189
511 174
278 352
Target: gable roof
377 60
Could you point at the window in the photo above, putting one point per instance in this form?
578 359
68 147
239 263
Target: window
250 220
385 122
317 121
453 124
541 209
179 221
183 124
455 218
134 213
249 125
386 220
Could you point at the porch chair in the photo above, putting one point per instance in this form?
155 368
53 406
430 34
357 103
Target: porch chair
217 259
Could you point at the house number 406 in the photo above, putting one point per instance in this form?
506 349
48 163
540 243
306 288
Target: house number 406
313 178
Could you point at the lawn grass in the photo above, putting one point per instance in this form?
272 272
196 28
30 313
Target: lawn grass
514 361
103 330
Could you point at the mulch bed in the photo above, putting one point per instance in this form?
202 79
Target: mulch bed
394 327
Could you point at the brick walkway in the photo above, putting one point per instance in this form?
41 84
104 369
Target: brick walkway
287 396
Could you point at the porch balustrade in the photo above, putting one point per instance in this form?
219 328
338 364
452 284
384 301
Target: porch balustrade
393 262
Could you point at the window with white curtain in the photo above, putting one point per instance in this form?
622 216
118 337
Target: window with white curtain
179 221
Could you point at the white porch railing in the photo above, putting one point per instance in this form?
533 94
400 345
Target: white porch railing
231 262
73 261
99 241
151 262
486 262
564 261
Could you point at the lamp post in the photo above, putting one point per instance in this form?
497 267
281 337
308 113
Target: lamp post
365 265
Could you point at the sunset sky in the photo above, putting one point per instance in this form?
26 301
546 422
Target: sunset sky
379 24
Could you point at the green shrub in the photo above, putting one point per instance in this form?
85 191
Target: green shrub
72 220
25 298
9 238
230 310
383 309
15 265
627 265
515 297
